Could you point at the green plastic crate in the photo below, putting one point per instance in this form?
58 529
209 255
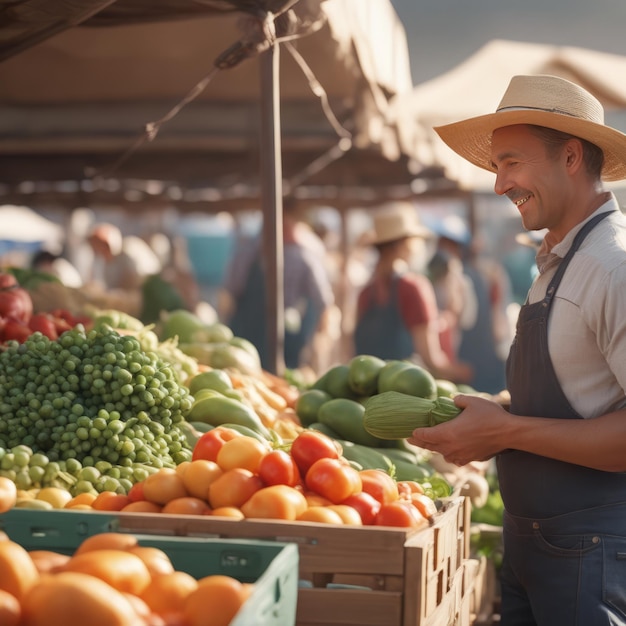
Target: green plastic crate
271 566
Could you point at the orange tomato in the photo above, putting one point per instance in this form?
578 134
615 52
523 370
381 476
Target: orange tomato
216 601
400 513
8 494
348 514
135 493
425 505
76 598
227 511
245 452
84 498
18 572
210 443
198 477
10 609
187 505
314 499
164 485
379 484
168 593
233 488
333 479
142 506
408 487
365 505
321 515
121 569
275 502
110 501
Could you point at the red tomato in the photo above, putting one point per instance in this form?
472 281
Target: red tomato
278 468
44 323
400 513
212 441
365 505
379 484
310 446
333 479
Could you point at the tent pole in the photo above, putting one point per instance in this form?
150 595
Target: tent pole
272 206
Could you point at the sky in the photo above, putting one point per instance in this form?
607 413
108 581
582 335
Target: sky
443 33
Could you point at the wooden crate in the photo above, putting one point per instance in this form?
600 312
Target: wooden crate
357 576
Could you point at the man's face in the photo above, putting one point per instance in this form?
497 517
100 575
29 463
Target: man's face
532 179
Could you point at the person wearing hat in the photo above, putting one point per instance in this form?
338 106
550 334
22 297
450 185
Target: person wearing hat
397 314
560 447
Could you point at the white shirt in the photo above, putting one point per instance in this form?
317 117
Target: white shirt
587 323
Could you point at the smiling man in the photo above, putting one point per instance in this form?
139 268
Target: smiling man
560 448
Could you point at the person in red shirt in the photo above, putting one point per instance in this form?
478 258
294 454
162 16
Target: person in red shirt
397 314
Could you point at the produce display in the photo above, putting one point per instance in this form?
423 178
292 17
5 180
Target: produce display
111 579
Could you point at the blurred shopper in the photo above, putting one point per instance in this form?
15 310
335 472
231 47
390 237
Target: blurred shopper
560 447
120 262
481 321
397 314
57 265
307 292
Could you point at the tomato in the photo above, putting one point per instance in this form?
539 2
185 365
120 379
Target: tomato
400 513
275 502
279 468
210 443
365 505
408 487
310 446
333 479
244 451
379 484
424 504
233 488
44 323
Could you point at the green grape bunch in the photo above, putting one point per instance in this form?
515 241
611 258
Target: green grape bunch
93 396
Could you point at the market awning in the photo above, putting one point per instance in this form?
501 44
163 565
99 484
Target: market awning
75 103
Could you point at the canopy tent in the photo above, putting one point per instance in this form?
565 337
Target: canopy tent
130 96
77 102
476 86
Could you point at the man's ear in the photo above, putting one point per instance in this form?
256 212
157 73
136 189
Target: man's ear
573 151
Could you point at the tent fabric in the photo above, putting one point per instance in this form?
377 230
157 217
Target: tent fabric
84 95
475 87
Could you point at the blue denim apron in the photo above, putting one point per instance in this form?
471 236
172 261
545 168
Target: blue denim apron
564 524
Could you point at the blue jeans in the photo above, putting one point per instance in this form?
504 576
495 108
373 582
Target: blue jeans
567 570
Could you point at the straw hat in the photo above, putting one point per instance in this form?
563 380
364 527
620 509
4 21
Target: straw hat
397 220
547 101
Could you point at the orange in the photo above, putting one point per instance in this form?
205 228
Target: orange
18 573
107 541
157 561
168 593
199 475
164 485
223 594
8 494
48 561
187 505
10 609
81 498
142 506
122 570
76 598
110 501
